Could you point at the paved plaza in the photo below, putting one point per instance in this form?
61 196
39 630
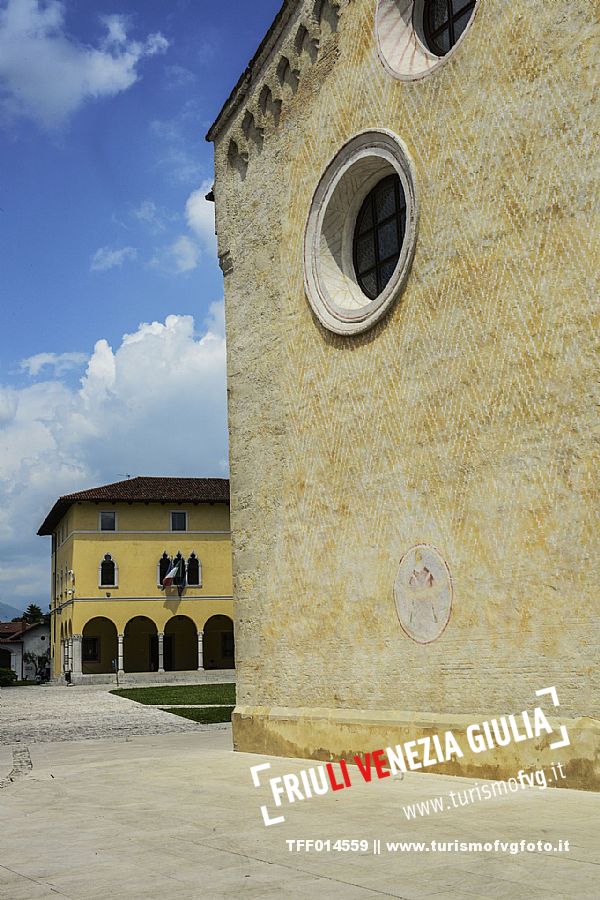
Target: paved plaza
173 813
49 713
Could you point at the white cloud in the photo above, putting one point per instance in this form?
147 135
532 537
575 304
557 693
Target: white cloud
178 258
46 75
178 135
9 402
200 217
59 362
179 165
179 76
116 27
215 321
106 258
152 216
185 253
155 405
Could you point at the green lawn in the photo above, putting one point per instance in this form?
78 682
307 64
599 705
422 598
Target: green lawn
182 695
207 716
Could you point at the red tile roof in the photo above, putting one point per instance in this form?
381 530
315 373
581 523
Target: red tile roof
14 631
143 490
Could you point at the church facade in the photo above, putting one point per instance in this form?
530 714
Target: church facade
407 215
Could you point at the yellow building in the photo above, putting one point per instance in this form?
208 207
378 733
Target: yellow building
112 548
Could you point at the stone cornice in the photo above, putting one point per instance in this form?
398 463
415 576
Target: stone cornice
254 67
309 15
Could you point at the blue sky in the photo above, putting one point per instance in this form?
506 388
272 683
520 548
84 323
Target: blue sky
111 294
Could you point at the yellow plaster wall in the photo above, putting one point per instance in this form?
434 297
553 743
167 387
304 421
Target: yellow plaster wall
160 611
467 419
149 516
143 535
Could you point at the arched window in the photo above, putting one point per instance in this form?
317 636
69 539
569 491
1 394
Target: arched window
194 571
179 580
108 572
164 564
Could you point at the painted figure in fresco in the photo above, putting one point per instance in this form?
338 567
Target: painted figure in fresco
422 583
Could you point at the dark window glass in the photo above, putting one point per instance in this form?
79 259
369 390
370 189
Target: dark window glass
438 11
193 570
178 521
369 284
388 240
163 567
366 221
108 521
387 270
107 571
444 21
90 649
384 201
461 23
379 234
365 252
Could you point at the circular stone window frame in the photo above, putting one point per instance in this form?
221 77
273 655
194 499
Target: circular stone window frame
330 279
403 50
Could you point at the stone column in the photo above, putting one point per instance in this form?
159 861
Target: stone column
161 661
200 651
76 665
63 657
120 654
69 659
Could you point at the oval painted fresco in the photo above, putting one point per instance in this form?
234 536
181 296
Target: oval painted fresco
423 594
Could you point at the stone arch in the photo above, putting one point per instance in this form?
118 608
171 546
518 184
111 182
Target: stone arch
180 645
269 105
238 159
306 46
251 130
100 646
218 643
327 15
287 75
108 571
140 645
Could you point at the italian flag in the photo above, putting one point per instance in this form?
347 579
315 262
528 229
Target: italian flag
172 574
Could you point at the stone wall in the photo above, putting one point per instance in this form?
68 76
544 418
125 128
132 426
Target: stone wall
467 419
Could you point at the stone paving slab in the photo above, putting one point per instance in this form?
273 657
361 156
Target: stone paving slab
176 815
81 712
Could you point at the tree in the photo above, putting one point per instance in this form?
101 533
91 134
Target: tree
32 615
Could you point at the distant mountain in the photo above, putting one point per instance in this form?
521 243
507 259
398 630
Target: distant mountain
7 613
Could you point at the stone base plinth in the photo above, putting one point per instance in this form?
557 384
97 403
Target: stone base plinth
331 734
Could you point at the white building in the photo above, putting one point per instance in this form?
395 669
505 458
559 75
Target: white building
17 639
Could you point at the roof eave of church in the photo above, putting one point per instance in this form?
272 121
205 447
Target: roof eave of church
240 91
